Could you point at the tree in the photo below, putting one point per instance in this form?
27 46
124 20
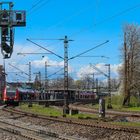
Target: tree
131 66
59 83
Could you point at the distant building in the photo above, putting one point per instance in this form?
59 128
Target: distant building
19 84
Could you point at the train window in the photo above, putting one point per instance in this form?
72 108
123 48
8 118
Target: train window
10 93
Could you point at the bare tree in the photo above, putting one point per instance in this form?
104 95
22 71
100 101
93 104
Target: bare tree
131 66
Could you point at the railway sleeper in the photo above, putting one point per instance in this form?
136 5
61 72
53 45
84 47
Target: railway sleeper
13 131
52 134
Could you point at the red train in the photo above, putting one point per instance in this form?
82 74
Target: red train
14 96
10 97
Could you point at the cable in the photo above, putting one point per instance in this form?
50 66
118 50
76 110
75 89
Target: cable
55 73
107 19
88 50
97 69
35 5
22 76
19 69
70 17
31 53
43 4
37 51
95 56
118 14
45 49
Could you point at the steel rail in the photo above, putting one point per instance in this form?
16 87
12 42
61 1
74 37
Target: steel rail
87 123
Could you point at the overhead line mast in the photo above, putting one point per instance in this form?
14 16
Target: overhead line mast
109 106
66 59
66 102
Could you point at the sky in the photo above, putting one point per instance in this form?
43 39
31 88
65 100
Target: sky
87 22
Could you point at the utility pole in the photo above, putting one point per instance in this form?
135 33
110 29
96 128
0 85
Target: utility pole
66 102
93 83
9 19
109 83
29 72
46 80
46 75
66 108
109 106
97 86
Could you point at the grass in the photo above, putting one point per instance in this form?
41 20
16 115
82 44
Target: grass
116 107
51 111
117 104
84 116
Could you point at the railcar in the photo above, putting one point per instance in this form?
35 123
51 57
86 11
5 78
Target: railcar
26 94
85 96
10 97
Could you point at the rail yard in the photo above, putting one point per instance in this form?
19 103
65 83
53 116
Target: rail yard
62 128
72 72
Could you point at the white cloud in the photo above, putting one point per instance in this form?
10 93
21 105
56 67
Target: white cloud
20 61
41 63
88 70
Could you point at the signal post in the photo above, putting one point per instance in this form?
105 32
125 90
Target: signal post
9 19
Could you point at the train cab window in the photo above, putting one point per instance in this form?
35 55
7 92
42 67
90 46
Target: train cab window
10 93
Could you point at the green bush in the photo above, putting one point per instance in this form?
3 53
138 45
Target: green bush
117 99
134 101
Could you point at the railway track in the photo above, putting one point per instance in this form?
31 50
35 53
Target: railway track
111 112
30 133
88 123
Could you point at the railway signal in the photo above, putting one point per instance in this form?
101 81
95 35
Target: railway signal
9 19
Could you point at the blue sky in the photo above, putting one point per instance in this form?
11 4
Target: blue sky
87 22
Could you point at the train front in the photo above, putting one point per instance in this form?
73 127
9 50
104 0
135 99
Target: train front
11 97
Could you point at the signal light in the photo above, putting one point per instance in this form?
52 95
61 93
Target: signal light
18 16
5 14
6 47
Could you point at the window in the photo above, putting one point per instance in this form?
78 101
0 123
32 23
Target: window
18 16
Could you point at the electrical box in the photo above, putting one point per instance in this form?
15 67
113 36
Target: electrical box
19 18
12 18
